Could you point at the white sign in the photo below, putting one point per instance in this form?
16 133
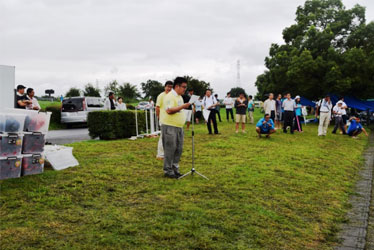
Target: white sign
7 83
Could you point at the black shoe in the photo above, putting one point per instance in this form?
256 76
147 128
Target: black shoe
333 132
178 174
217 133
171 176
285 131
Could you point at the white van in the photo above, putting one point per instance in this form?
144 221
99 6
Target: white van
76 109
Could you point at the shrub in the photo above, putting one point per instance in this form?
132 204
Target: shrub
108 125
130 106
56 113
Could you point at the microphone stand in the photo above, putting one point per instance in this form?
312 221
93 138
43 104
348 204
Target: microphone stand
193 171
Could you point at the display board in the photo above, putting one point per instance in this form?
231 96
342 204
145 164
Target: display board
7 84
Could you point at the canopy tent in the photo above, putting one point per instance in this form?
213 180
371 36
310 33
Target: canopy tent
306 102
353 102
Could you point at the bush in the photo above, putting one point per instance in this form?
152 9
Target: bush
56 113
130 106
108 125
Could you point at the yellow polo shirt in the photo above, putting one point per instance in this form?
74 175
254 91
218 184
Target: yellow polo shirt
160 103
172 100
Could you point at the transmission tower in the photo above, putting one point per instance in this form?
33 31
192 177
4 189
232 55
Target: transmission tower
238 73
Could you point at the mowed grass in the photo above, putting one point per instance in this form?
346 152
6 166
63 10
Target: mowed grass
286 192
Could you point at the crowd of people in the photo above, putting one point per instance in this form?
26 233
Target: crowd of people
174 110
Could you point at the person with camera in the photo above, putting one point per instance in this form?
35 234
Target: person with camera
265 126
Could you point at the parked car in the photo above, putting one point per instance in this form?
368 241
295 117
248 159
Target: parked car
143 105
75 109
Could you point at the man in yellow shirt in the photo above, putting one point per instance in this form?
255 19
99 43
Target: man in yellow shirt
161 112
172 127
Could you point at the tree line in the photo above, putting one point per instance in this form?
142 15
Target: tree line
130 92
330 49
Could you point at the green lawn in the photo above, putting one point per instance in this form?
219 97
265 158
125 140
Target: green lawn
286 192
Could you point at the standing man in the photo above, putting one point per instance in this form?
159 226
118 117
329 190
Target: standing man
110 103
289 109
344 113
241 107
198 109
188 111
34 102
279 111
229 104
218 108
265 126
161 113
270 106
251 109
210 103
324 107
338 112
172 127
21 98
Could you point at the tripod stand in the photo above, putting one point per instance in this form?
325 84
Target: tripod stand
193 171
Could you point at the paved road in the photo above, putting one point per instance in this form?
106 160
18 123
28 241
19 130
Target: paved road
66 136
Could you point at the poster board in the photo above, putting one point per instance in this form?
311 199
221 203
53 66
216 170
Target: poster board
7 84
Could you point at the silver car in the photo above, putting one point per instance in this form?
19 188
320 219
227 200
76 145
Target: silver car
76 109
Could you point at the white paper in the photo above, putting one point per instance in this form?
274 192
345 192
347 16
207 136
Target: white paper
206 114
193 99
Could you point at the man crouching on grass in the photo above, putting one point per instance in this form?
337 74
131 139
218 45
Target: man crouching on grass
265 126
172 128
355 128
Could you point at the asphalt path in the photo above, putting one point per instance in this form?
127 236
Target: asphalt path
66 136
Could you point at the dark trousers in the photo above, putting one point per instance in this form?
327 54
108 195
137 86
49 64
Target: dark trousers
229 111
339 124
288 121
219 115
212 118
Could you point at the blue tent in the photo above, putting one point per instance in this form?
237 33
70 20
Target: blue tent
353 102
306 102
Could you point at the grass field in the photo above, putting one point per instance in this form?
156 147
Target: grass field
286 192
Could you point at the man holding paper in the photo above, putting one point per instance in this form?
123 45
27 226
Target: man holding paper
210 103
172 128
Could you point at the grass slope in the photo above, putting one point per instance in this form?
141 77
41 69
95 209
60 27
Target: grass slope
286 192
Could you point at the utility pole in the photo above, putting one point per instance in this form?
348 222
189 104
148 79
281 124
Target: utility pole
238 73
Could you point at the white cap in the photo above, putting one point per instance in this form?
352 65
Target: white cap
297 97
339 102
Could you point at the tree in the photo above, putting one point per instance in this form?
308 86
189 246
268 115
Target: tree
128 92
152 88
112 87
198 86
90 90
328 50
73 92
235 92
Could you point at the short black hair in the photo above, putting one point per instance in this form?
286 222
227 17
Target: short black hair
250 96
327 95
168 83
29 90
179 81
20 87
119 98
228 93
266 115
215 95
190 90
241 93
110 94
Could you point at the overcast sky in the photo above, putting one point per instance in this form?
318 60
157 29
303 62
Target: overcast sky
60 44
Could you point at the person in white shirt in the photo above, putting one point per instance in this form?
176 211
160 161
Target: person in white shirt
344 112
324 108
338 113
209 104
120 104
34 105
229 104
269 106
198 108
288 106
110 103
